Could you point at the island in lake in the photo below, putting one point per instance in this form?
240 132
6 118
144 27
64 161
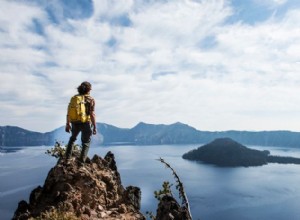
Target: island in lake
226 152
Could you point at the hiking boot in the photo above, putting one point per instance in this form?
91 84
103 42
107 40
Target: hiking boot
84 152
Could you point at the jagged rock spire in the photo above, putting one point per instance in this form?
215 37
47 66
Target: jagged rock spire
93 191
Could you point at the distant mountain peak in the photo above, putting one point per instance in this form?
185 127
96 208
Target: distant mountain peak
143 125
225 141
179 123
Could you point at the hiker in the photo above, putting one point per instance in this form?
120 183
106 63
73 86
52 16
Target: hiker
81 117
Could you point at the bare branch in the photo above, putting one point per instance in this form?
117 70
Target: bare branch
179 187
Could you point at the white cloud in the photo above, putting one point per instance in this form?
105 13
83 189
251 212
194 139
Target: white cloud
174 61
111 8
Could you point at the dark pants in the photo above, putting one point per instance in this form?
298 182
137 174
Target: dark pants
86 133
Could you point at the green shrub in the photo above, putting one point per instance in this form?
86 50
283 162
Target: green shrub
59 151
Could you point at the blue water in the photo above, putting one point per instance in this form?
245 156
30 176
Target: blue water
267 192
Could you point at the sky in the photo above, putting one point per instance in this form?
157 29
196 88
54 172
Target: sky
215 65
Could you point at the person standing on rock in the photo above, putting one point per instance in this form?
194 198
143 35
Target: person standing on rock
81 117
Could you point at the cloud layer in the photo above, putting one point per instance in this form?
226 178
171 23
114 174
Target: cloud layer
204 63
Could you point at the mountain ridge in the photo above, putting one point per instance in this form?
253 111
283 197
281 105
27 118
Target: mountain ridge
149 134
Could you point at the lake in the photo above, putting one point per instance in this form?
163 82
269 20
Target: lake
266 192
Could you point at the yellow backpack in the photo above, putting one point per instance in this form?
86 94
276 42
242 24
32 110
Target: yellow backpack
77 109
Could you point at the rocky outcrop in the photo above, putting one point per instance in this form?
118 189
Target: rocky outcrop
169 209
90 191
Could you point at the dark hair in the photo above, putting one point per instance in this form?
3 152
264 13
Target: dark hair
84 88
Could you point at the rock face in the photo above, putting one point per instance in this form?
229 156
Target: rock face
93 191
169 209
